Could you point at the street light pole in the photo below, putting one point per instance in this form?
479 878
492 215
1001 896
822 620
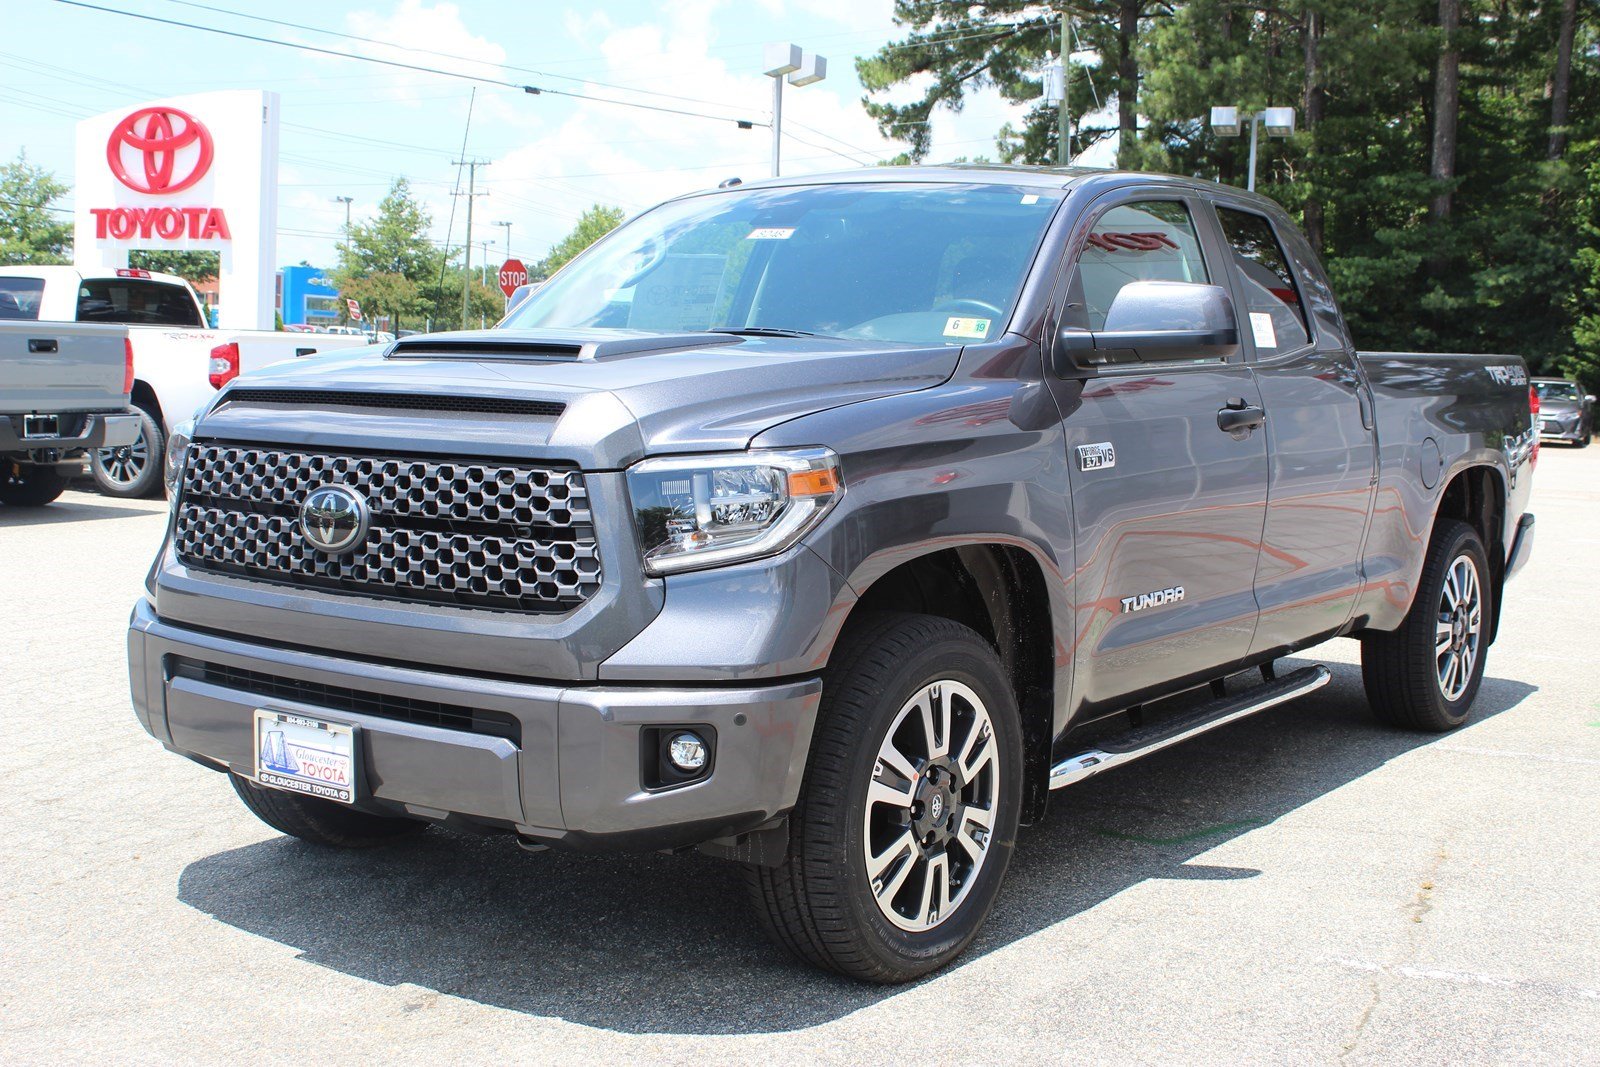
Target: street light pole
1226 122
801 68
507 226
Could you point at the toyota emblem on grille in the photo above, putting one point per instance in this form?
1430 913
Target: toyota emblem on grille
334 519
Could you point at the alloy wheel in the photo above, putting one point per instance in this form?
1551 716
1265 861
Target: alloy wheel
125 464
931 805
1459 633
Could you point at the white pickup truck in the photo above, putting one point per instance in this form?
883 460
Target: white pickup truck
178 360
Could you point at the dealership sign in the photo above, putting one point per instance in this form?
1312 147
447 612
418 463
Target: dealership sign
186 173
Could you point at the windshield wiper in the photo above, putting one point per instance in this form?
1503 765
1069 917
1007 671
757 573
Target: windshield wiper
760 331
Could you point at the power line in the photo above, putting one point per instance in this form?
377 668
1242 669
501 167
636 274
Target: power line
445 55
532 90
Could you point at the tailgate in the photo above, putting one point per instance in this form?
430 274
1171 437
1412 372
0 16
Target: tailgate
62 366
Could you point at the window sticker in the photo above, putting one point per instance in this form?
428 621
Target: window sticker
973 329
770 233
1030 198
1261 326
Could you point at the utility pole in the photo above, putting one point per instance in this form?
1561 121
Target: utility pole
1063 114
472 193
346 201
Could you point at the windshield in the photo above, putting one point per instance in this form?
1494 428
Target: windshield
1556 390
891 262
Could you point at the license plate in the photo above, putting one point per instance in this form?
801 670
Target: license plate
305 755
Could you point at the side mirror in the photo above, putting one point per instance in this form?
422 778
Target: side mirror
1155 321
521 293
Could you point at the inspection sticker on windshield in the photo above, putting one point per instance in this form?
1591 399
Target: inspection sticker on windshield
976 329
1261 326
770 233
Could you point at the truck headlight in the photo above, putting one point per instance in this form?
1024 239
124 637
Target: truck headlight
703 511
177 448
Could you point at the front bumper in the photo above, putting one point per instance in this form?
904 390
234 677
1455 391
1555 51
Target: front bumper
80 432
1570 429
568 770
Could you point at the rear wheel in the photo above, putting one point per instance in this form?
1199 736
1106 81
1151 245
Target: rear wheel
29 486
1425 675
134 470
909 811
321 822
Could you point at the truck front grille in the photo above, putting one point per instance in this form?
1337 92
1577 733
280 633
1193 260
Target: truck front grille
496 535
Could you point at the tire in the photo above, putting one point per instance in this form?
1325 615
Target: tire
29 486
134 470
1409 677
820 903
321 822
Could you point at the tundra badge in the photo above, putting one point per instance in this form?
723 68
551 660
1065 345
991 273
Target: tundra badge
1097 456
1151 600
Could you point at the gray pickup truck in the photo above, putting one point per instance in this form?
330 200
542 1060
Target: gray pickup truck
827 525
63 392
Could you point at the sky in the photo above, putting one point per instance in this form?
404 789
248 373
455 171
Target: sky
349 128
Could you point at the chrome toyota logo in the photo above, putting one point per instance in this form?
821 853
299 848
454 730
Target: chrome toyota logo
333 519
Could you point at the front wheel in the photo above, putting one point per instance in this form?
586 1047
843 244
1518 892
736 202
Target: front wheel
1425 675
321 822
909 811
132 471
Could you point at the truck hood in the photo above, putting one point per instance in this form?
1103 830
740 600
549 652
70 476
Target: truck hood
600 398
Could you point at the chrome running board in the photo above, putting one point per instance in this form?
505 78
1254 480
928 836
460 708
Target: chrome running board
1153 738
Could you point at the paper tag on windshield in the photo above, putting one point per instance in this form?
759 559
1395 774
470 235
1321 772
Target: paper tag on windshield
770 233
975 329
1261 326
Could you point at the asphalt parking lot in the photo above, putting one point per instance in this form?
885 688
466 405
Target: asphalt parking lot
1302 886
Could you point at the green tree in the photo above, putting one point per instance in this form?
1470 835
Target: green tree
192 267
388 263
31 230
592 225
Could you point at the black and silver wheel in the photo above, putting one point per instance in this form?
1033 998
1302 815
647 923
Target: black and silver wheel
931 805
909 811
1426 674
130 471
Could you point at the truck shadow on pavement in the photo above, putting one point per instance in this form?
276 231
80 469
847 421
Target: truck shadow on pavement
665 945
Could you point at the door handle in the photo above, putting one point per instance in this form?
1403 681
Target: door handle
41 344
1239 421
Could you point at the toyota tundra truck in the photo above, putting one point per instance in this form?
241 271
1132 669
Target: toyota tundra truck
829 525
63 392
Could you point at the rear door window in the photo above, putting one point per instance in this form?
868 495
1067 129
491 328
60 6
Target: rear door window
1141 241
20 297
1271 295
136 302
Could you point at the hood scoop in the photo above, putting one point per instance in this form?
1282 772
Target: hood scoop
549 346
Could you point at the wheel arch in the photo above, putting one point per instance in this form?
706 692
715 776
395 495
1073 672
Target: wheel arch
1477 495
144 396
999 590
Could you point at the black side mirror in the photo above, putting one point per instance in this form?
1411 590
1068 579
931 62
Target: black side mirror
1155 321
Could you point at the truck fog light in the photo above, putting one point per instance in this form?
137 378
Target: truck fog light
687 752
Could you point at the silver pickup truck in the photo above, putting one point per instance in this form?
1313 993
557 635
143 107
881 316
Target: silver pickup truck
828 525
63 391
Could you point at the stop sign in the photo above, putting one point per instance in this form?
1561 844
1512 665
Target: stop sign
512 274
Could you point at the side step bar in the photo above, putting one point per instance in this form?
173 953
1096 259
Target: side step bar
1153 738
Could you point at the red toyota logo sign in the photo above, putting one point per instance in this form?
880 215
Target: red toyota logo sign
156 135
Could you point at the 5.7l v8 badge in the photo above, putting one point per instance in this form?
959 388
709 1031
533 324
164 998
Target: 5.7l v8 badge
1097 456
